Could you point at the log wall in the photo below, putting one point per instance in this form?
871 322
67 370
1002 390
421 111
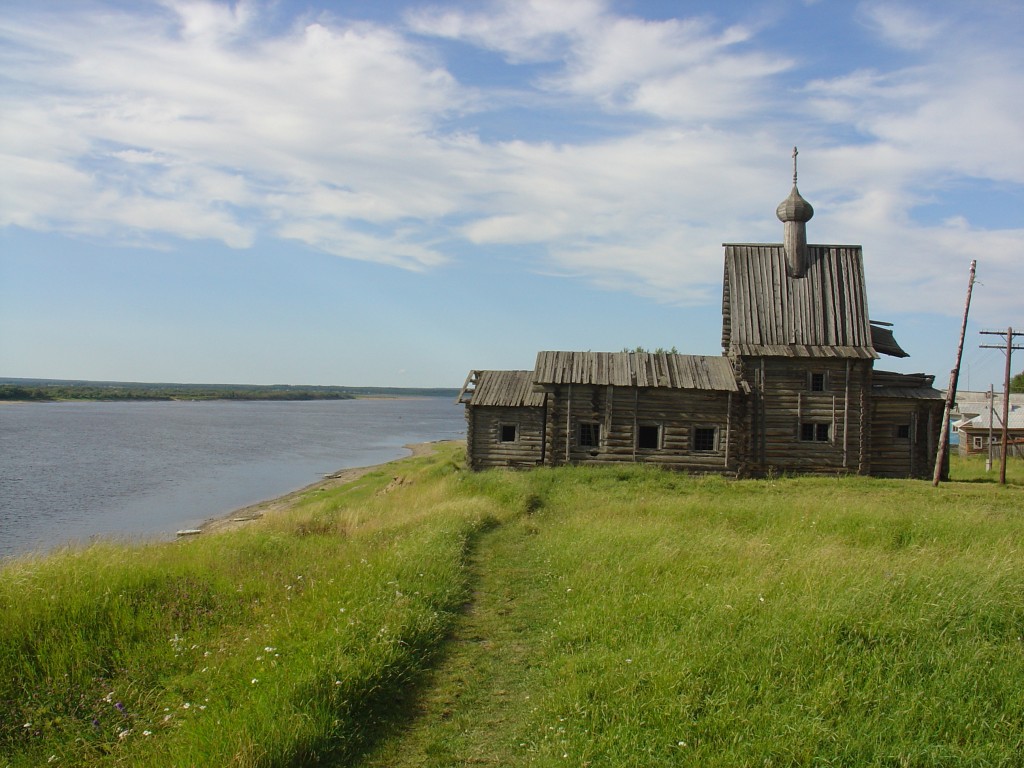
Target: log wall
622 411
483 436
782 401
904 455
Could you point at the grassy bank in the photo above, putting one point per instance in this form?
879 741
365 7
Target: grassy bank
556 617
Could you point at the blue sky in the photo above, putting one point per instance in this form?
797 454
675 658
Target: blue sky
391 193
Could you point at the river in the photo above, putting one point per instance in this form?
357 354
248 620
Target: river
70 471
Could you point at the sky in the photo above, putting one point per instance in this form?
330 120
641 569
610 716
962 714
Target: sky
388 193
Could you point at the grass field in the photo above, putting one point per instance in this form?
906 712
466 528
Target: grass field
427 616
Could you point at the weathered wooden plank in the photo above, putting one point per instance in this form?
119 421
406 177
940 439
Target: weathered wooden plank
769 310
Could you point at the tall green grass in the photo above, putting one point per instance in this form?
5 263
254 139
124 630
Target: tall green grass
578 616
809 621
281 644
637 617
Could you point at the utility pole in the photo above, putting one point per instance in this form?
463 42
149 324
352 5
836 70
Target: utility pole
991 407
954 375
1010 335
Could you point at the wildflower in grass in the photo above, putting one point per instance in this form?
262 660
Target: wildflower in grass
186 705
124 734
254 681
147 733
119 707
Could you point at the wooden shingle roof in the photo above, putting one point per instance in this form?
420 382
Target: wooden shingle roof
635 369
908 386
883 340
500 388
765 312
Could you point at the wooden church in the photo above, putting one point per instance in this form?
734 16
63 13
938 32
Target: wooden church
795 389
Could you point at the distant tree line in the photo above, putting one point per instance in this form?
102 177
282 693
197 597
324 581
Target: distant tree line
1017 383
159 392
43 390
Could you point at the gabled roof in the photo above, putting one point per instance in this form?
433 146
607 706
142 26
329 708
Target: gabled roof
500 388
636 369
765 312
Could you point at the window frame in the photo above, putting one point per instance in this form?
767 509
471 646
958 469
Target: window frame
902 431
715 438
514 426
814 377
816 429
592 431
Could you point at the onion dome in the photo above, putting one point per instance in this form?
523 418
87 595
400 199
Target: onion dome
794 207
794 212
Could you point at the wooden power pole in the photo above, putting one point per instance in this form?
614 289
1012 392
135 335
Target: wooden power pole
1009 347
954 376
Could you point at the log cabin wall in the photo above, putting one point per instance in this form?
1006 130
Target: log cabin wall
504 436
904 436
807 415
679 429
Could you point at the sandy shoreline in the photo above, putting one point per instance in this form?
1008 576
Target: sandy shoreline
240 517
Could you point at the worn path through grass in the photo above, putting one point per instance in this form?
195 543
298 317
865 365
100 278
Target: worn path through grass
472 707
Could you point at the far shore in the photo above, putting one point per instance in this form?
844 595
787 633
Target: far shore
260 509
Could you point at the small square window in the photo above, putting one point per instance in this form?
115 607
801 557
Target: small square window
979 442
648 437
509 433
589 435
705 439
811 431
902 431
817 382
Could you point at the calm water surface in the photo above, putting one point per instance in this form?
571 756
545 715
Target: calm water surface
69 471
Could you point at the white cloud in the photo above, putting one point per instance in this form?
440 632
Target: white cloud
904 25
522 30
212 23
398 250
353 138
179 124
681 69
